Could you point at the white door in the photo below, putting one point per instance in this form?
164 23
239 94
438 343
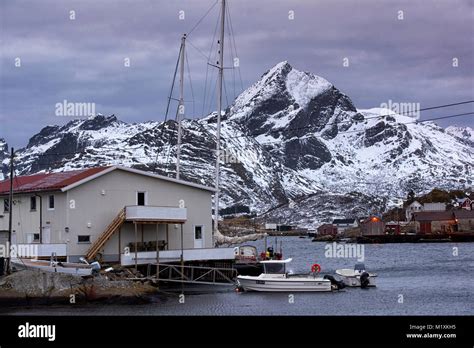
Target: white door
46 235
3 238
198 237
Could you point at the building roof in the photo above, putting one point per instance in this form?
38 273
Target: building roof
326 225
344 221
47 181
65 181
433 216
464 214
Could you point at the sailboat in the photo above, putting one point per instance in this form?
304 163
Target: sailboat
181 111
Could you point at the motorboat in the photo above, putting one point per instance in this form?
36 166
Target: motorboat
275 278
80 269
357 277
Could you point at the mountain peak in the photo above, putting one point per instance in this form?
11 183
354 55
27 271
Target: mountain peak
98 122
285 81
281 67
3 145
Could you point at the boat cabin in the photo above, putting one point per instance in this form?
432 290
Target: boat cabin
359 267
275 266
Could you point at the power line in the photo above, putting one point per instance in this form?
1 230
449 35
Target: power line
351 120
362 130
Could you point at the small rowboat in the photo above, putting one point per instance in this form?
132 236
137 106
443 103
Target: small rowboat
79 269
357 277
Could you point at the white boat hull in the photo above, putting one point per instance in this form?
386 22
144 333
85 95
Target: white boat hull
290 284
353 280
44 266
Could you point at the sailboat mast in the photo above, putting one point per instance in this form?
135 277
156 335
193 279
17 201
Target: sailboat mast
220 66
180 114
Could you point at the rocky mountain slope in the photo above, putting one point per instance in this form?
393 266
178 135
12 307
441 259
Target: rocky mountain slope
292 140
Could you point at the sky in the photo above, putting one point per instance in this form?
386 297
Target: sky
413 51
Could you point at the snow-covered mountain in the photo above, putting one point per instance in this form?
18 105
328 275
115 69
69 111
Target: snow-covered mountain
291 141
3 157
465 133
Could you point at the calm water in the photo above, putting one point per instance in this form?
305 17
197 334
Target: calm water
431 280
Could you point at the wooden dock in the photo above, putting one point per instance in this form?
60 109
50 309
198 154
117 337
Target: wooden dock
417 238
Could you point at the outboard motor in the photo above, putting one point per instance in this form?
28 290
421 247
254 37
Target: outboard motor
359 267
338 283
95 266
364 280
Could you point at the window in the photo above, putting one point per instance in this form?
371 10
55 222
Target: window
198 232
275 268
51 202
141 198
32 238
83 239
6 205
33 203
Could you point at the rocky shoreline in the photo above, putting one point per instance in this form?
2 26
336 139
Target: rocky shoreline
33 287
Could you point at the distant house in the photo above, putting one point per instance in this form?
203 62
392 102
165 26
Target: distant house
464 220
372 226
270 226
344 224
279 227
466 204
414 207
327 229
393 227
432 222
437 206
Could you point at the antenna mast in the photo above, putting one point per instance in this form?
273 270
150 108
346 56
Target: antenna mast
220 66
181 107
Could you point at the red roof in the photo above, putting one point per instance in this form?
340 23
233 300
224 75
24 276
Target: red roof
433 216
464 214
47 181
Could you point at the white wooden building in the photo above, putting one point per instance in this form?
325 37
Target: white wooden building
113 214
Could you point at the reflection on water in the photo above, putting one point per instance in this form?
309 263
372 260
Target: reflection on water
431 280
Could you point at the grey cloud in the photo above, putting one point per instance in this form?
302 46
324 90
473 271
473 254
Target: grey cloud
82 60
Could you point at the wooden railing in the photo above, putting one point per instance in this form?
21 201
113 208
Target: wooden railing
105 236
196 274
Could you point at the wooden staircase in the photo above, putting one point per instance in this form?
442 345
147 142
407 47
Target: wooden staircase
105 236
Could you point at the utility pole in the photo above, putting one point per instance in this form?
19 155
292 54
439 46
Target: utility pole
10 209
220 67
181 103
